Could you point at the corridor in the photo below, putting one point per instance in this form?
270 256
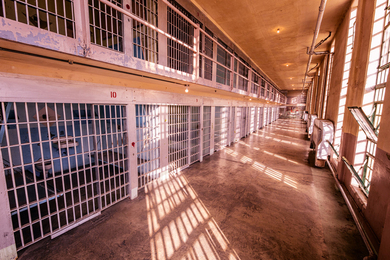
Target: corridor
255 199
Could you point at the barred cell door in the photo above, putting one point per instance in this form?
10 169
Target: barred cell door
206 130
261 117
178 133
148 143
243 127
63 164
253 119
221 127
195 134
237 127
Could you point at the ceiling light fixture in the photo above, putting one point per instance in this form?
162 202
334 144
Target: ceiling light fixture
278 31
186 90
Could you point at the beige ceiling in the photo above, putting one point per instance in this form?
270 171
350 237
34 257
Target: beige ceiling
252 25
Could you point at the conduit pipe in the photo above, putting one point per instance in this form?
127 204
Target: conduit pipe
313 44
359 226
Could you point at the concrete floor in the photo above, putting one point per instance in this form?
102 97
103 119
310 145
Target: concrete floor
257 199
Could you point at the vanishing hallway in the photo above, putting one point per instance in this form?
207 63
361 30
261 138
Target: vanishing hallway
256 199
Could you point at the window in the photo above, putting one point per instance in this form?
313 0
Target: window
145 40
55 16
106 25
223 57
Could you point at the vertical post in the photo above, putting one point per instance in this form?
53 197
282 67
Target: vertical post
81 16
127 31
189 135
132 133
162 39
215 53
201 134
195 74
212 130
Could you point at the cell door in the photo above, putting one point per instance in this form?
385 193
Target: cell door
252 123
206 130
62 164
261 117
221 127
243 123
148 143
178 133
195 134
237 124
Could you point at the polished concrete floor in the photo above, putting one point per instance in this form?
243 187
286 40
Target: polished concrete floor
256 199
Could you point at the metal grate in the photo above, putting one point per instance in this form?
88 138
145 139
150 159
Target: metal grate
178 130
260 117
62 163
106 25
195 134
243 72
55 16
223 57
145 40
179 57
255 84
148 143
221 127
207 49
206 130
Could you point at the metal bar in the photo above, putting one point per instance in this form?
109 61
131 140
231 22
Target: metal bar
119 9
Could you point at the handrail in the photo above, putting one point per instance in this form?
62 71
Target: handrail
334 149
355 175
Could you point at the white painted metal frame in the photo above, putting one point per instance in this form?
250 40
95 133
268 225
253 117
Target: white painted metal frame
148 143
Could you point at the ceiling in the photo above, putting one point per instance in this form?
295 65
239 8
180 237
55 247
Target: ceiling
272 51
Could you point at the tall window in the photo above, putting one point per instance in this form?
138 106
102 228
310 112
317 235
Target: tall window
106 25
376 79
55 16
145 40
224 58
328 78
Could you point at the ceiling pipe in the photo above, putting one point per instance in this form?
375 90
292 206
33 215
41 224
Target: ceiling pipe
313 44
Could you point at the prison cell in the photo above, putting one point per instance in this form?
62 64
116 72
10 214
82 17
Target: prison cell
206 130
62 163
148 143
195 134
221 127
178 137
